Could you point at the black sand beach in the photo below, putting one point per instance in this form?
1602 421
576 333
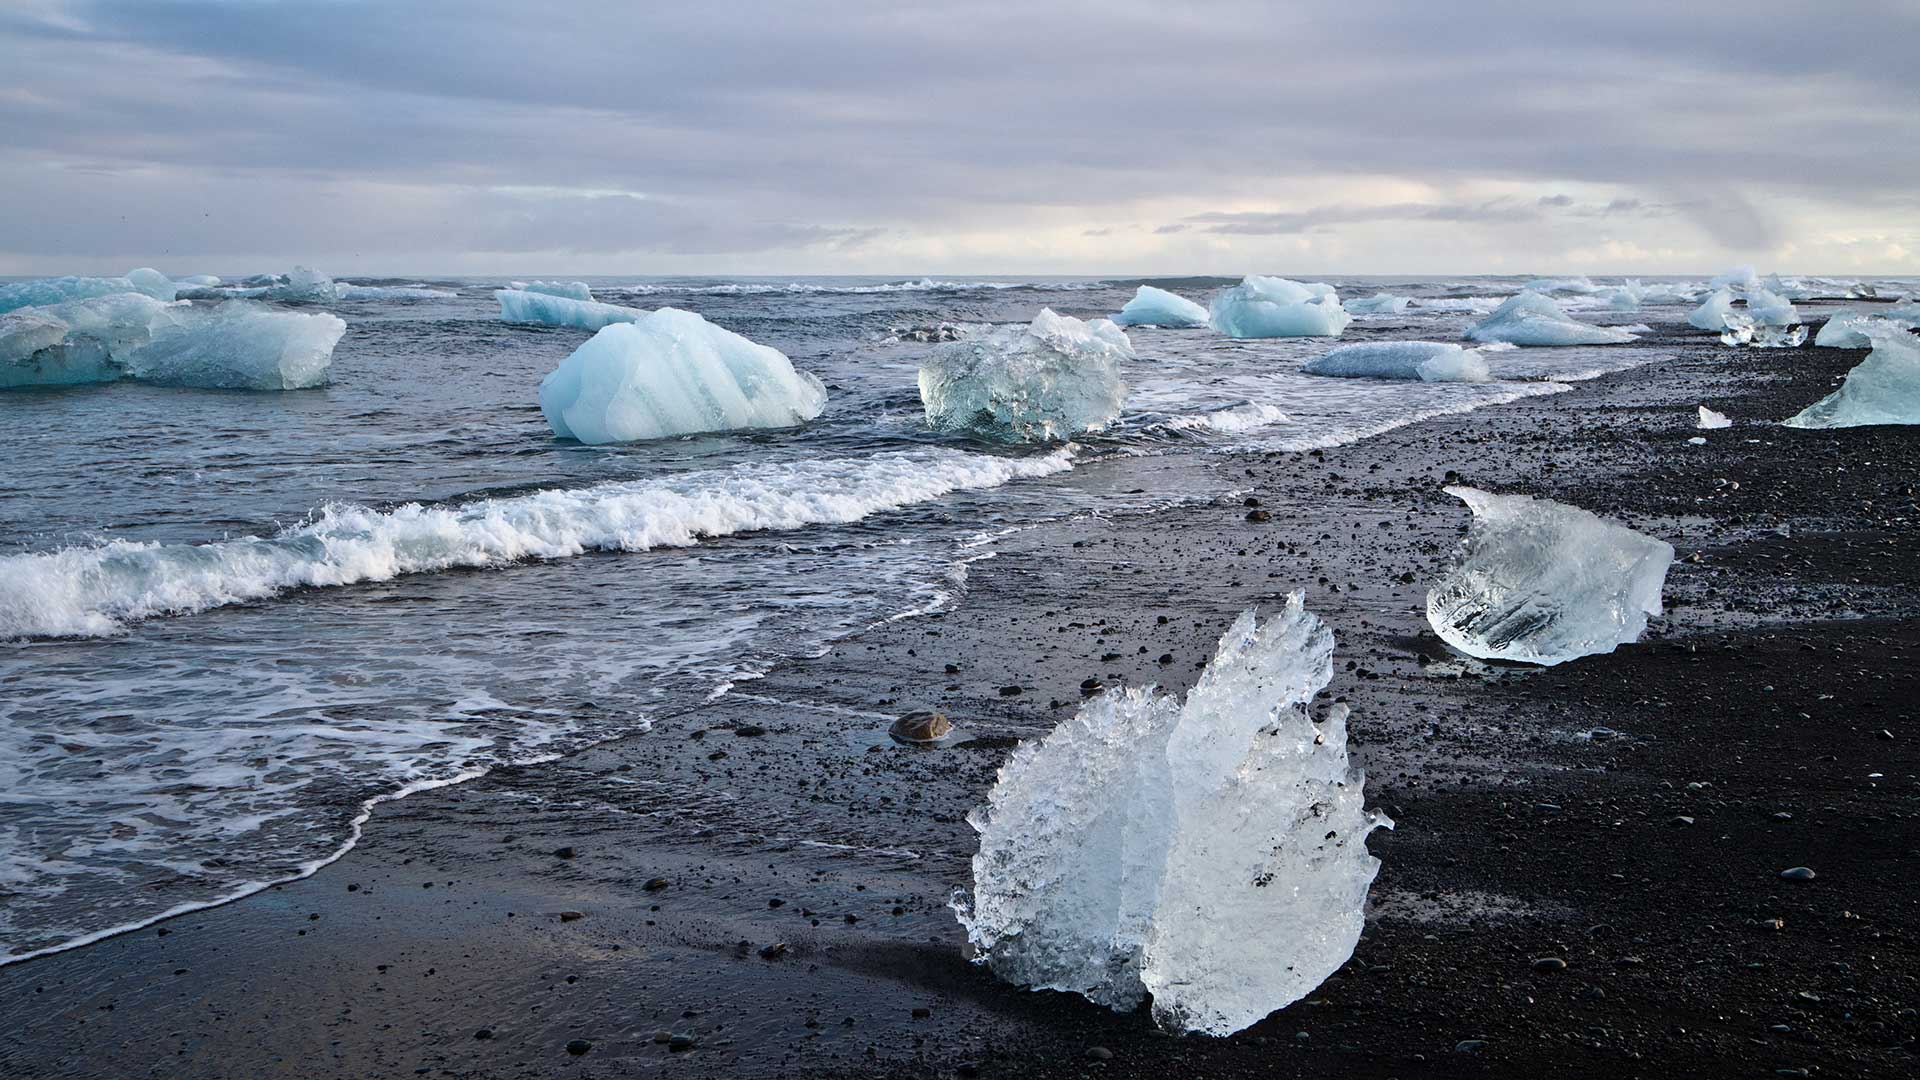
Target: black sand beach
1584 879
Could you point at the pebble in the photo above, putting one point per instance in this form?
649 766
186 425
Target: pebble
678 1043
921 1012
1099 1053
1009 691
483 1033
564 853
749 731
655 884
578 1047
663 1037
1549 963
1469 1046
1796 873
921 727
570 916
1259 515
1680 821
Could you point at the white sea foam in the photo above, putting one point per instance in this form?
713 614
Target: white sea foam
94 591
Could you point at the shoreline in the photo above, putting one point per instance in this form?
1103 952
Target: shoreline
1472 881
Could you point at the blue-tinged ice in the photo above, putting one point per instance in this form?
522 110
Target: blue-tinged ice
80 341
1054 379
47 291
669 373
240 346
1530 318
1716 314
572 290
1158 307
1709 420
1882 389
1211 852
1845 329
1767 308
1427 361
1271 307
1740 278
545 309
1545 583
1577 286
1378 304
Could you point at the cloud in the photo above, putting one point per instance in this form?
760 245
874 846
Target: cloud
1285 223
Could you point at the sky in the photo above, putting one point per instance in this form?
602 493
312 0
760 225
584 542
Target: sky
722 137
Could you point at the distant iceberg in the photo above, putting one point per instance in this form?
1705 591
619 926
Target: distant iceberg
238 345
1158 307
1530 318
1270 307
48 291
1378 304
1845 329
1626 297
669 373
545 309
1770 309
1054 379
1545 583
1428 361
1580 286
572 290
1716 314
1211 852
1741 278
1882 389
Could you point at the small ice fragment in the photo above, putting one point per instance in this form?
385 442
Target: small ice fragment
1710 419
1054 379
1211 853
1158 307
545 309
672 373
1697 441
1270 307
1378 304
1530 318
1428 361
1544 583
1882 389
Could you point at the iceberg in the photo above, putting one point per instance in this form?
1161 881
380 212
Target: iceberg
1545 583
1268 307
572 290
304 286
1428 361
1378 304
1581 286
1845 329
1054 379
673 373
1882 389
240 346
1158 307
1626 297
1709 420
1211 852
198 281
545 309
1530 318
1716 314
79 341
48 291
1770 309
1742 278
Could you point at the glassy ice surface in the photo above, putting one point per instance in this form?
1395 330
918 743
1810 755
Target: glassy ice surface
1716 313
545 309
1545 583
674 373
1428 361
1158 307
1710 420
1530 318
1378 304
1752 335
1211 853
1882 389
572 290
46 291
1843 330
1770 309
1274 307
240 346
1053 379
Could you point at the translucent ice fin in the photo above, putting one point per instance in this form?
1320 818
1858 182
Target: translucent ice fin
1158 307
1882 389
1053 379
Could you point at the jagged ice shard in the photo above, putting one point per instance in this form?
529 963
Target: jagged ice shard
1845 329
1530 318
1427 361
1710 420
1053 379
1211 853
1545 583
1158 307
1882 389
1716 314
545 309
674 373
1270 307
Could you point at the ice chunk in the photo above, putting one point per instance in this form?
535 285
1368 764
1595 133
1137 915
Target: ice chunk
1428 361
80 341
673 373
1763 337
1268 307
1626 297
1211 853
1710 419
304 286
572 290
1770 309
47 291
1530 318
1158 307
240 346
1716 313
198 281
1742 278
1054 379
1378 304
1697 441
1844 329
544 309
1882 389
1545 583
1580 286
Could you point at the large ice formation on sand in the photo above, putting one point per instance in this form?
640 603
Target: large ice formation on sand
1716 313
1770 309
1158 307
1845 329
1545 583
46 291
1428 361
239 345
674 373
1882 389
1268 307
545 309
572 290
1530 318
1053 379
1378 304
1211 853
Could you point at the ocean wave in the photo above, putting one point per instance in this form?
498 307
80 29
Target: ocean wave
756 288
1231 420
95 591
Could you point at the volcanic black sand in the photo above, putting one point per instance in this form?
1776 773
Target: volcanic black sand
766 877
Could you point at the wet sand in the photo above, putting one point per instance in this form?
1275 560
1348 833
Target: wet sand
767 876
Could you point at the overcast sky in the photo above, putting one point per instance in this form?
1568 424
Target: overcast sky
1023 137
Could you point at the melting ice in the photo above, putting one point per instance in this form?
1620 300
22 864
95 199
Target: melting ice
238 345
1882 389
1158 307
1427 361
1530 318
1053 379
546 309
1272 307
